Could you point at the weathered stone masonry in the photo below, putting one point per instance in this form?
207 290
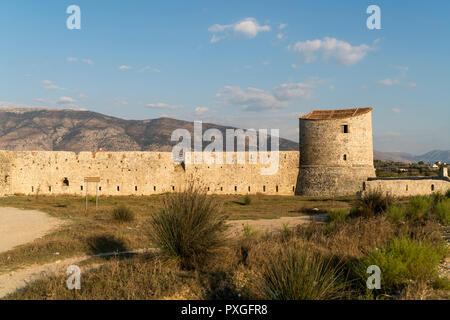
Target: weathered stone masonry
136 173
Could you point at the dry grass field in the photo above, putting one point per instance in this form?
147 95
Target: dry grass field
404 237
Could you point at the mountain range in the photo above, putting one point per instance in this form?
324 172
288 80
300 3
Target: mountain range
76 130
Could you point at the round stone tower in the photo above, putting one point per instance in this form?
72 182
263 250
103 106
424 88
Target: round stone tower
336 152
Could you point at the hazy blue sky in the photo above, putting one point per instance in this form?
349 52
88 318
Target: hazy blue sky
252 64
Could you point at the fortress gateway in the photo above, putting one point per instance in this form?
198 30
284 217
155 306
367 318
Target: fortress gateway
335 158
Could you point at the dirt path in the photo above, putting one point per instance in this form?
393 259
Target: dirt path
21 226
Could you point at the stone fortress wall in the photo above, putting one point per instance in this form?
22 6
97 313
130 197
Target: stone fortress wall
136 173
335 159
410 186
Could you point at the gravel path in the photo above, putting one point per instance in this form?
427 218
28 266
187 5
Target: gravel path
22 226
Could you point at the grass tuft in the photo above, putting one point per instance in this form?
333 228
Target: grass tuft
296 273
189 228
123 214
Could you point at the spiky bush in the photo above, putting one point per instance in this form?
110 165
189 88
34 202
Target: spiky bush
190 227
296 273
447 194
371 203
123 214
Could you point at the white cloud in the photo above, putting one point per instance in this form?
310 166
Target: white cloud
398 79
124 67
72 59
251 99
66 101
293 66
294 91
82 96
248 28
266 63
161 105
342 52
282 26
148 68
254 99
396 110
200 110
280 36
389 82
49 85
88 61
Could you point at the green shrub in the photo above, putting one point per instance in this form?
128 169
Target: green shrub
338 215
419 207
296 273
371 203
247 200
447 194
396 213
190 227
402 261
123 214
442 211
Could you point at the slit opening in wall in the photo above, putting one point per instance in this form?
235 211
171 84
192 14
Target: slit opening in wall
248 188
345 128
173 188
276 188
66 182
154 188
345 157
264 188
432 187
135 188
81 188
118 188
235 188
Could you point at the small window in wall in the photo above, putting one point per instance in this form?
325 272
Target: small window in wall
208 188
432 187
81 188
118 188
406 187
154 188
248 188
345 157
264 188
173 188
221 188
345 128
235 188
293 188
50 188
32 189
99 188
66 182
135 188
276 188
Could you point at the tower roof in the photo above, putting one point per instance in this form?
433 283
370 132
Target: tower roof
335 114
